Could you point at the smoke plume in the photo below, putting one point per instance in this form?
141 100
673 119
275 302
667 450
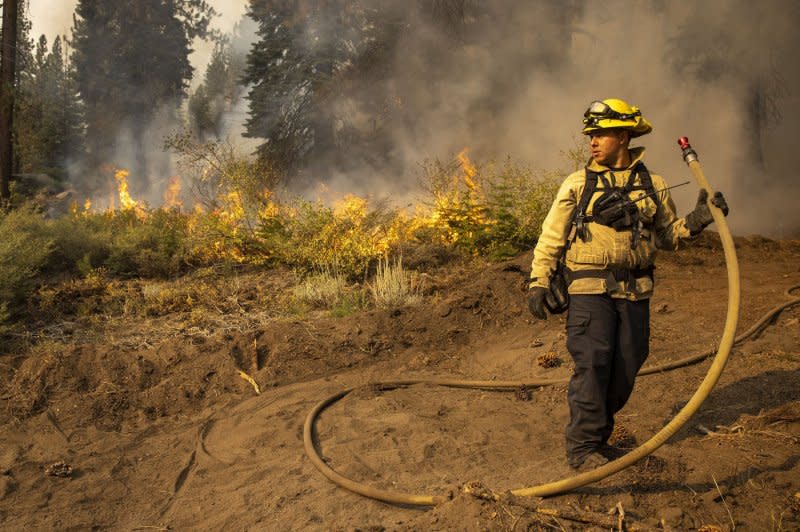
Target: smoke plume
513 77
521 74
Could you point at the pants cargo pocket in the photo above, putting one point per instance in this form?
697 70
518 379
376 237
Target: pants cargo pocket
577 326
578 321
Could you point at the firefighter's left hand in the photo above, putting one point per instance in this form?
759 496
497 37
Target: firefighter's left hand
700 217
718 200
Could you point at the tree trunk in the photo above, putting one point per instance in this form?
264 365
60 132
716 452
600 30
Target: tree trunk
758 115
7 75
140 171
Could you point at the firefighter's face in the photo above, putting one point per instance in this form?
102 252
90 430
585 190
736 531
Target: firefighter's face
609 147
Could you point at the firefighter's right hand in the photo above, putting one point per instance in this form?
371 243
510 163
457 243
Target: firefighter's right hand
536 297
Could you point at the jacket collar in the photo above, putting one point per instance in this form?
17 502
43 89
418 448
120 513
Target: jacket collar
636 155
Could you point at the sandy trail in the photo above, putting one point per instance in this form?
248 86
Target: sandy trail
236 460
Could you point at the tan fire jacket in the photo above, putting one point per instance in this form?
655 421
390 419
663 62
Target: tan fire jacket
605 247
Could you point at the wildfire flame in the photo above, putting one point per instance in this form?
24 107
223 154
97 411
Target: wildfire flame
460 210
172 194
125 200
469 169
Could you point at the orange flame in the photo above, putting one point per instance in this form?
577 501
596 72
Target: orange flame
172 194
125 200
469 169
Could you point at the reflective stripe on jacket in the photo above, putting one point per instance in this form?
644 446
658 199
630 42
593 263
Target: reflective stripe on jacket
605 247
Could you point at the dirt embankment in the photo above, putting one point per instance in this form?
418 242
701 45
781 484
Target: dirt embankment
156 427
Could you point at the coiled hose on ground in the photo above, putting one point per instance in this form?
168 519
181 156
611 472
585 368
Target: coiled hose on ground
564 485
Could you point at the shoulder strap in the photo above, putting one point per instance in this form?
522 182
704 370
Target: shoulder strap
586 196
631 179
589 186
647 183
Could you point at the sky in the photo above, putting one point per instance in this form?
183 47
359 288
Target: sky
54 17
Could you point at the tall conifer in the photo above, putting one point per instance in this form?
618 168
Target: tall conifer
132 63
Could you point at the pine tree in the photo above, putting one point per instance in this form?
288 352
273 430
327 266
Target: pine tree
49 132
332 82
278 72
8 69
132 61
292 72
203 119
219 91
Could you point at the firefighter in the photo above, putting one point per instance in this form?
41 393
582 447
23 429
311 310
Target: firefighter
604 243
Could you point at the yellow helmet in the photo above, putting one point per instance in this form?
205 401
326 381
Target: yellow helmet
613 112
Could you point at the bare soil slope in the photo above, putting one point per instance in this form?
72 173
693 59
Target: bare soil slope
150 425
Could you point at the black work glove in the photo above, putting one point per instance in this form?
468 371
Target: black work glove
700 217
536 296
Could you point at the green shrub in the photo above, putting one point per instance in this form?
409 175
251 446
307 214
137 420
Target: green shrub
80 242
352 301
127 243
25 248
232 190
491 209
154 246
517 201
347 238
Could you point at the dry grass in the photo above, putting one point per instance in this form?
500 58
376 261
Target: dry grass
324 289
394 286
770 424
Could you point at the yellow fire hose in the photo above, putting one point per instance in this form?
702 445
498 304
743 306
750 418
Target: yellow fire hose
561 486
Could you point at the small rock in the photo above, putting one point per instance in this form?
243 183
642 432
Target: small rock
59 469
662 308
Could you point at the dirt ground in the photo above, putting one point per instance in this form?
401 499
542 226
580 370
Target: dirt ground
148 425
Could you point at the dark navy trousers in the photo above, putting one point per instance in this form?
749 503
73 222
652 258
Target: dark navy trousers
608 340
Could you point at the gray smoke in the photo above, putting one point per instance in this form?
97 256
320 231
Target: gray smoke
720 72
516 76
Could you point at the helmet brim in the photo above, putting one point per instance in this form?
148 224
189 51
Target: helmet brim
641 127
